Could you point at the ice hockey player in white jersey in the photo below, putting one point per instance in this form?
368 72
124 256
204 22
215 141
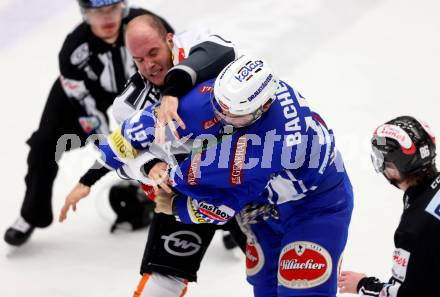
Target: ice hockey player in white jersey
169 66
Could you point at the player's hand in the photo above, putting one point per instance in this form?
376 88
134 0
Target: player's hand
79 192
159 174
164 202
167 114
348 281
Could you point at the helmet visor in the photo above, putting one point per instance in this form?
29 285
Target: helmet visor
238 121
378 160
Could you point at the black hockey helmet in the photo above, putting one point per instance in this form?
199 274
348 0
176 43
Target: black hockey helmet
86 4
407 143
131 206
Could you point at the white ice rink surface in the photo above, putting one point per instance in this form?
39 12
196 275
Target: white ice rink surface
359 63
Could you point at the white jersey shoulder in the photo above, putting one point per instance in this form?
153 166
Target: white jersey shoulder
185 40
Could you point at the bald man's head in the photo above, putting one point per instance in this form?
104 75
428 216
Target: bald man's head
150 46
146 22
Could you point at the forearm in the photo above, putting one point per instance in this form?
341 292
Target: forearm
95 173
205 61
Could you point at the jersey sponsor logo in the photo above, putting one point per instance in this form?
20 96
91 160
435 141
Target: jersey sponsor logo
400 264
80 54
433 207
304 265
261 88
182 243
292 125
206 89
194 169
88 124
208 124
221 213
121 146
194 215
248 70
254 258
236 173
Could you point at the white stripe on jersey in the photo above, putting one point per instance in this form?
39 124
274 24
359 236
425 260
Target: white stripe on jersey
285 190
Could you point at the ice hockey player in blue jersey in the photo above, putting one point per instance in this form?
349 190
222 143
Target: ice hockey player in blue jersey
259 152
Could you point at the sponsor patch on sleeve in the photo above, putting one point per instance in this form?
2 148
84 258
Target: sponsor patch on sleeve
220 213
202 212
400 263
121 146
194 215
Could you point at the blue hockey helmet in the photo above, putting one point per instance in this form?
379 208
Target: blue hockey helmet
86 4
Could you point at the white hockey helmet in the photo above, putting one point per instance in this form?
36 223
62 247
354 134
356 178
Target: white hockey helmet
242 89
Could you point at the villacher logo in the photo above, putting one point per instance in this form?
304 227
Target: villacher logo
304 265
254 258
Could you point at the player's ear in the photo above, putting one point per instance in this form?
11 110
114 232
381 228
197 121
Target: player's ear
169 40
267 105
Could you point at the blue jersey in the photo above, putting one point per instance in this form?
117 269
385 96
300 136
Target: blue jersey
287 155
